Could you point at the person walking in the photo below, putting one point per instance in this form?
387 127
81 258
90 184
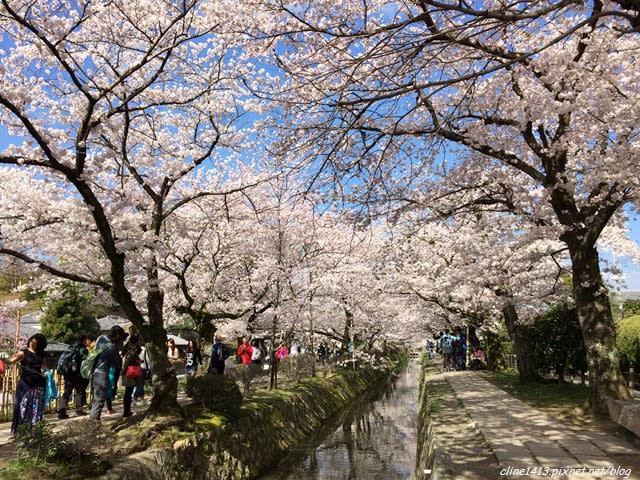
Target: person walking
107 359
282 352
244 351
131 372
446 347
430 346
29 399
192 359
69 368
256 355
219 354
145 363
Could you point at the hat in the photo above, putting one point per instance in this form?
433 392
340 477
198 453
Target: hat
117 331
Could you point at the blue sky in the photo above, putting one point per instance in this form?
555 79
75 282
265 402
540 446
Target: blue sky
631 271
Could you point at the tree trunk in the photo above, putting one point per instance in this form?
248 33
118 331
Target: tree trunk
273 371
207 330
598 329
165 382
493 350
348 324
526 363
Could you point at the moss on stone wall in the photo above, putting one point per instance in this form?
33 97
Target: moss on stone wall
430 455
269 425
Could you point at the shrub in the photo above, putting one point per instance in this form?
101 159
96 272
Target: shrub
555 341
246 376
73 452
67 315
219 393
628 342
36 441
297 367
78 442
631 308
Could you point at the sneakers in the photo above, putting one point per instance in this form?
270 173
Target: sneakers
63 415
139 402
128 414
109 412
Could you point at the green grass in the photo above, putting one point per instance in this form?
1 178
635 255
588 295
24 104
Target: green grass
210 420
25 467
567 396
434 398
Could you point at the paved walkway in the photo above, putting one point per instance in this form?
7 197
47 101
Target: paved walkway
8 452
529 443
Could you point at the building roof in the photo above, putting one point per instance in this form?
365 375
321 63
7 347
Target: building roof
630 295
9 330
180 342
32 318
107 322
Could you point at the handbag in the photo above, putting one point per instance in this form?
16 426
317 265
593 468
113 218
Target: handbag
134 372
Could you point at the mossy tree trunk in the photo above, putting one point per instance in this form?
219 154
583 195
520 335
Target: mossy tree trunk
598 328
527 370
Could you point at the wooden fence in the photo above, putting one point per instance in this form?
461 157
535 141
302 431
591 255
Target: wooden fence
7 394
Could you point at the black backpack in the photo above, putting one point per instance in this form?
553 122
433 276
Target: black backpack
69 362
220 353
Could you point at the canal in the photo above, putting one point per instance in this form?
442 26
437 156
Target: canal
375 439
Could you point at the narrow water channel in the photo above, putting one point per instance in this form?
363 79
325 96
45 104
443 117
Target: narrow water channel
375 439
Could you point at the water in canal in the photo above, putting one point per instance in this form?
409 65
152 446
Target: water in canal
376 439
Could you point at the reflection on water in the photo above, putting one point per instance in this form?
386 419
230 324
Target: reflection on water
376 439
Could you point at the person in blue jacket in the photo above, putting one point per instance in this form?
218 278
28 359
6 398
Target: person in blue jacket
109 358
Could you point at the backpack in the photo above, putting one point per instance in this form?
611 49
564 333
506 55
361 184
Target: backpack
69 361
447 344
86 368
220 352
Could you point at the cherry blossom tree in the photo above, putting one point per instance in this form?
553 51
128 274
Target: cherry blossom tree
482 266
121 113
541 97
212 266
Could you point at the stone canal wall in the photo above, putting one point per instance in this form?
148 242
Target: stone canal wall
255 442
429 456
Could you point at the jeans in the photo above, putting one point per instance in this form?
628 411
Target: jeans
101 389
138 391
78 384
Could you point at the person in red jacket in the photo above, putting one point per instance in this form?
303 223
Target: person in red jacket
244 351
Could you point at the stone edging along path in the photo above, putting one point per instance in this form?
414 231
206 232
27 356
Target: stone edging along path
531 443
250 445
449 444
478 431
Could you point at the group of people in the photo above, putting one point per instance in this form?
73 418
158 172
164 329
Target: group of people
97 361
248 352
192 357
251 352
452 345
117 357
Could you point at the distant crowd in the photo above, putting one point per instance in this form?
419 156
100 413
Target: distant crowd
452 345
